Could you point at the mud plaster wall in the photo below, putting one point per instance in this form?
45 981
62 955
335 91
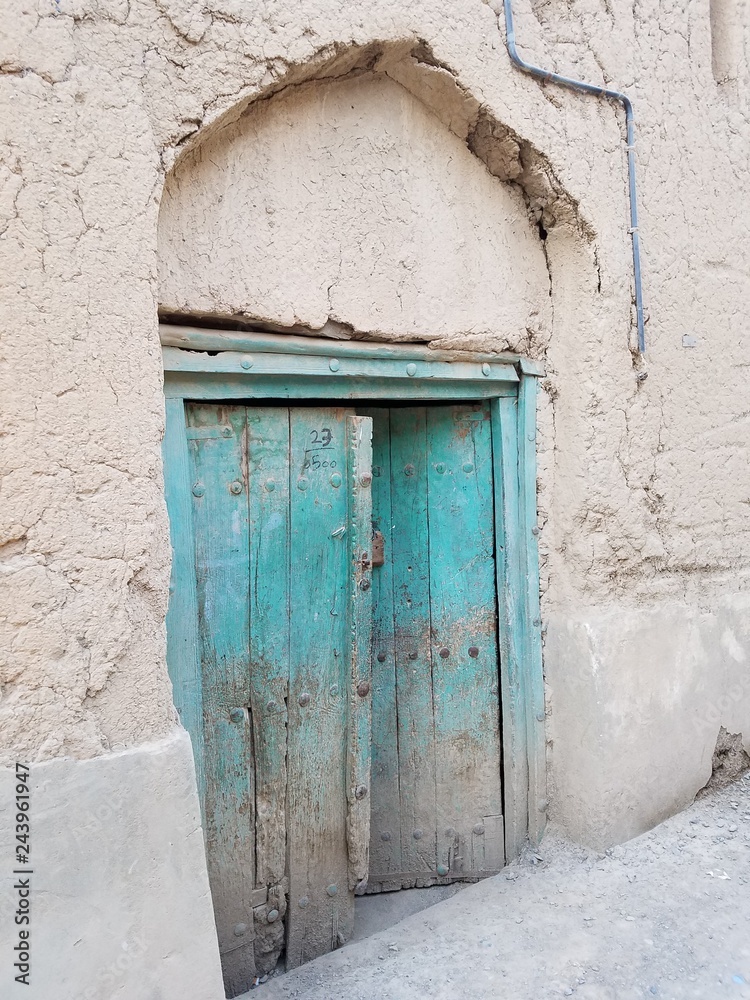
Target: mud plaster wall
643 486
348 201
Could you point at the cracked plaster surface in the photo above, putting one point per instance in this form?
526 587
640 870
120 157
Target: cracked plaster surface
643 486
405 232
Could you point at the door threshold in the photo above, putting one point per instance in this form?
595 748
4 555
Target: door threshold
378 911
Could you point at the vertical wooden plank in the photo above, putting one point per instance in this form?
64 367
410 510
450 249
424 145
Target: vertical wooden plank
493 841
183 656
358 729
216 436
411 588
511 604
532 663
321 908
464 639
385 816
268 493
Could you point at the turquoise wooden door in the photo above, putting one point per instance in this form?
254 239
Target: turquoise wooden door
279 524
294 635
436 764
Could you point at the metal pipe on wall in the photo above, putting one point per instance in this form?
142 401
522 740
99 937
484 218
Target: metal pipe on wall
615 95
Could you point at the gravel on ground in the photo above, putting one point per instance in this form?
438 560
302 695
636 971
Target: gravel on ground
665 915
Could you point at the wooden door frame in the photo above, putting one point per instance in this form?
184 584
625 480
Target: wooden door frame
204 364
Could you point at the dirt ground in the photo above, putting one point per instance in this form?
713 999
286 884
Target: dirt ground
666 915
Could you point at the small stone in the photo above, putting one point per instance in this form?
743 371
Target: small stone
733 828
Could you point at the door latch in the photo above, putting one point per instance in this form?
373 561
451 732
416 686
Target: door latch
378 548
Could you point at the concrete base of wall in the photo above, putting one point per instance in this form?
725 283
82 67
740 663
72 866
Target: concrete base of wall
120 903
637 697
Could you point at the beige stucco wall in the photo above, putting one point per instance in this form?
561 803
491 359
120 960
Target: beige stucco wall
643 485
389 203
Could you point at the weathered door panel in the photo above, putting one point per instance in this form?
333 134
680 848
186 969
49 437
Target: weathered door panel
359 718
282 523
385 817
437 796
321 913
217 447
463 616
269 601
415 719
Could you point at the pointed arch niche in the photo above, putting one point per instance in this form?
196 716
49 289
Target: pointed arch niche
378 202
